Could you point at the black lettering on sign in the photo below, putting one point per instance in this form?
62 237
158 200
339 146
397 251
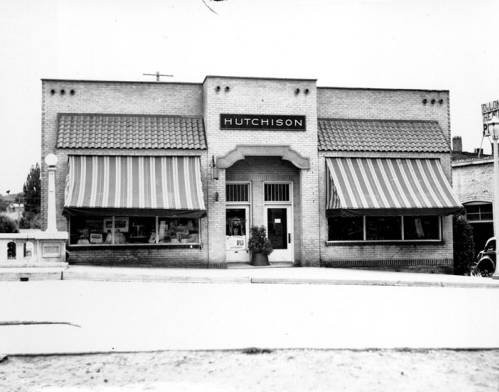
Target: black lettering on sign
490 107
262 122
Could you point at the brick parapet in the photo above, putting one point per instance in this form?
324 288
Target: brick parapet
384 104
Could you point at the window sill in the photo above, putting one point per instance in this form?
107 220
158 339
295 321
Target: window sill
390 242
136 246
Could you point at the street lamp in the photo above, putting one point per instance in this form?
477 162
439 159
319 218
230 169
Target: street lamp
51 161
493 130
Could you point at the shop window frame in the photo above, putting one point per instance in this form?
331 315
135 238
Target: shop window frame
155 244
365 241
480 213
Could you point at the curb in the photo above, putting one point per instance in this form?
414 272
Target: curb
353 282
157 279
296 281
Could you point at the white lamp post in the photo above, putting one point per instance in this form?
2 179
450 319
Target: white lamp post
51 161
493 130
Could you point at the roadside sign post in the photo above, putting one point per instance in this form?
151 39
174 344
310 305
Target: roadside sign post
493 131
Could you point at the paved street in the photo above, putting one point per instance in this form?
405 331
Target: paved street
276 371
133 316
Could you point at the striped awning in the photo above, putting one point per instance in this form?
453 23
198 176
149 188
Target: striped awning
388 186
140 183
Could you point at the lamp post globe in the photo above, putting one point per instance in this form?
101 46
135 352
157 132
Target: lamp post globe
51 160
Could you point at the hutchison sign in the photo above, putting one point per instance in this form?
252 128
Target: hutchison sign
262 122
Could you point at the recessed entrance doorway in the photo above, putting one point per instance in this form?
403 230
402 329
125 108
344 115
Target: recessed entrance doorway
262 191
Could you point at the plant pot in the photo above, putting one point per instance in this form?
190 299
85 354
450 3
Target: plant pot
259 259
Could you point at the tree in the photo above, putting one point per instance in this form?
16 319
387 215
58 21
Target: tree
32 200
464 246
7 225
3 203
32 190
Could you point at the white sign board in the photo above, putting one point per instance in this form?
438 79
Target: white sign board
235 242
489 110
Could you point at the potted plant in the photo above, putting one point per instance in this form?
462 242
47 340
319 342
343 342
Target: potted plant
259 246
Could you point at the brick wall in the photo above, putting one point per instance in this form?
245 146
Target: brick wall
384 104
263 96
473 182
140 257
119 98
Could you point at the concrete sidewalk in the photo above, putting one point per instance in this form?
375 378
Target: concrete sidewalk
270 275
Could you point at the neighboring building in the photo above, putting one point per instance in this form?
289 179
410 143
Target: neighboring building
472 179
174 174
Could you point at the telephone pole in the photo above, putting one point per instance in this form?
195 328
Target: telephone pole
158 75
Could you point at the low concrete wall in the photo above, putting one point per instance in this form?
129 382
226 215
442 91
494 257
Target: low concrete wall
33 249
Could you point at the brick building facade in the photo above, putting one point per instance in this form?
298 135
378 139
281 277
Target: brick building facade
258 151
472 179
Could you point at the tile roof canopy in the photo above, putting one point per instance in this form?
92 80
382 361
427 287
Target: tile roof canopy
381 135
130 131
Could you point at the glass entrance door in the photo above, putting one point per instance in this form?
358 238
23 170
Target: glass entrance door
279 231
236 234
277 224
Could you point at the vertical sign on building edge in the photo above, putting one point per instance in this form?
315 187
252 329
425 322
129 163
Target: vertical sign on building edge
489 110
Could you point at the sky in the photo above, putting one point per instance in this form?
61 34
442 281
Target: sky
450 45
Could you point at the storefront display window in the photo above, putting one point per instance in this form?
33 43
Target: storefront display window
89 231
384 228
142 230
121 230
380 228
346 229
178 231
421 228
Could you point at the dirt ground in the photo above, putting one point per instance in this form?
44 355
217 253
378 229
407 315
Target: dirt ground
281 370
